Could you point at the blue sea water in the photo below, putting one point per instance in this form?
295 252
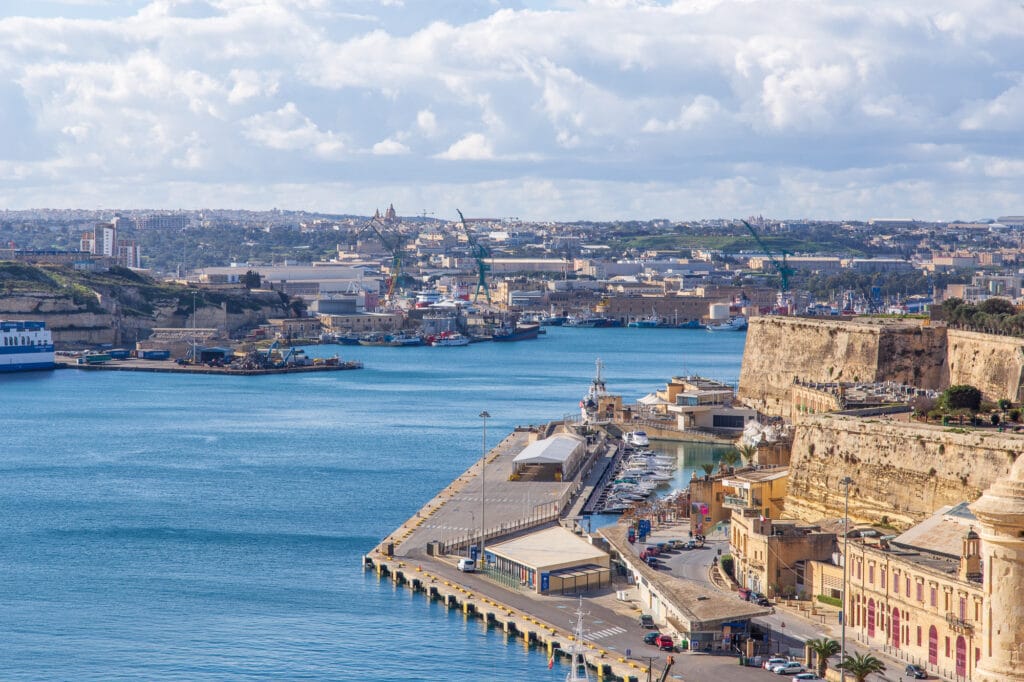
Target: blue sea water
163 526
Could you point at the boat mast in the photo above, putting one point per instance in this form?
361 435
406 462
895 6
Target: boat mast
578 672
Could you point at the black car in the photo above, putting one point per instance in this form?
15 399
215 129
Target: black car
646 621
650 637
915 672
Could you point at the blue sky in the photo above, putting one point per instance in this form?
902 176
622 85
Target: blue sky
560 110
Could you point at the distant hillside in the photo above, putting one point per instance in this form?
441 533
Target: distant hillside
121 306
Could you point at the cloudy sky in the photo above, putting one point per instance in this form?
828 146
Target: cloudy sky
564 109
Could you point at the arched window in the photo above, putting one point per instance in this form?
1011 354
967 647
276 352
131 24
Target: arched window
894 628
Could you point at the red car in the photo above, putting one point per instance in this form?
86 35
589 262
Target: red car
665 643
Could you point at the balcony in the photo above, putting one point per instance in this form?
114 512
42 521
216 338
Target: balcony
959 624
735 502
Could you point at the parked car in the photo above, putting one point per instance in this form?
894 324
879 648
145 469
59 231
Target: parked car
646 621
665 643
790 668
772 662
690 545
651 637
805 676
916 672
761 600
467 565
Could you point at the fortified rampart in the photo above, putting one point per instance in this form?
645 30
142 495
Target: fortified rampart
780 349
994 364
902 471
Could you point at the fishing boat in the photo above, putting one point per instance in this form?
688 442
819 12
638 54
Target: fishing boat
449 339
734 324
517 332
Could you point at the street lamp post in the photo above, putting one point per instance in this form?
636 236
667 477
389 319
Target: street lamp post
483 492
846 541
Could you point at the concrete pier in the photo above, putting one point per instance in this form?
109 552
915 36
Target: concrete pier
516 624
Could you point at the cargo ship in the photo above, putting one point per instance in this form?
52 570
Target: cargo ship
25 345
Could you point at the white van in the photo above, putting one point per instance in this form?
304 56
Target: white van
467 565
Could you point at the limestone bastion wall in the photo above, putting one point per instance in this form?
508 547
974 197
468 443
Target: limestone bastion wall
779 349
903 471
994 364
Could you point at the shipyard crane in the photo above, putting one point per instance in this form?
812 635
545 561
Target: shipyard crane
394 242
481 254
781 266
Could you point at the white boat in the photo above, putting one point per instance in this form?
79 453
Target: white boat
578 672
450 339
589 404
637 439
734 324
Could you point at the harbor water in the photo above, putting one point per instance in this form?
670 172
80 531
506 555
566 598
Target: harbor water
167 526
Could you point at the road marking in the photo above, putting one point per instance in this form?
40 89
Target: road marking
607 632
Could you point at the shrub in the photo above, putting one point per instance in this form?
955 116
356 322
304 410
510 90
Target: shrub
831 601
727 564
961 396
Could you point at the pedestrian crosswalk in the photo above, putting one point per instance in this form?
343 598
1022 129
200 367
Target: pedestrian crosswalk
607 632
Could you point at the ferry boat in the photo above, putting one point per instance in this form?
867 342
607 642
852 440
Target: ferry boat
25 345
451 338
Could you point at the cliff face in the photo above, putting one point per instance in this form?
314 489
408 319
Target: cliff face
124 315
778 349
903 471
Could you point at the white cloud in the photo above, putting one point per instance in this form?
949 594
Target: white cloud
594 101
390 147
288 129
426 121
472 147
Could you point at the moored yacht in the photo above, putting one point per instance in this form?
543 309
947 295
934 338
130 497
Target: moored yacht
637 439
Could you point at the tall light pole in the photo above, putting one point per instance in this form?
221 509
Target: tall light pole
483 492
846 542
195 360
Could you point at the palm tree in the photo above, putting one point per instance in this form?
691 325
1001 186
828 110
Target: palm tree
823 649
728 460
747 452
708 469
861 665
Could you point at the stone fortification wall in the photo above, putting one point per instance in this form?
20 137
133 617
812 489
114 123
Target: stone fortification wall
901 470
778 349
995 364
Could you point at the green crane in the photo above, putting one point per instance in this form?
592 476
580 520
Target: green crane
781 267
394 242
481 254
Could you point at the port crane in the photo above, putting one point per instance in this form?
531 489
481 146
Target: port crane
394 241
481 254
781 266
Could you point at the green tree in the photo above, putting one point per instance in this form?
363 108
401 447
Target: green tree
251 280
708 469
861 665
997 306
823 649
960 396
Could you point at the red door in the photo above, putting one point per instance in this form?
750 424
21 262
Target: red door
933 645
894 628
961 656
871 617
